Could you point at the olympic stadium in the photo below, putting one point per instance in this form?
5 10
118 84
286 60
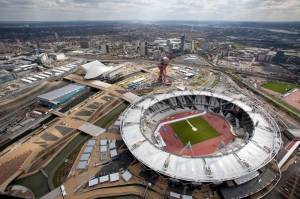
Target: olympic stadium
200 136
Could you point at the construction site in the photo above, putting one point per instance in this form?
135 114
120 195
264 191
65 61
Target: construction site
140 129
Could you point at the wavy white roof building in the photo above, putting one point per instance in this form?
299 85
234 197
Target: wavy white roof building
94 69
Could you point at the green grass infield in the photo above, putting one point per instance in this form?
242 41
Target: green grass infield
202 130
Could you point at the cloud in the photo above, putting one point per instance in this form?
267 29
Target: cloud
233 10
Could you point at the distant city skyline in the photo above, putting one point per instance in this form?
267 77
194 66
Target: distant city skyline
198 10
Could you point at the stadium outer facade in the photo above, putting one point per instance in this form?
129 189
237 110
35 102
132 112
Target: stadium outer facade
238 160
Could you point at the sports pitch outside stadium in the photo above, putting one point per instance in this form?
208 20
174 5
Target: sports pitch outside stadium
279 87
193 130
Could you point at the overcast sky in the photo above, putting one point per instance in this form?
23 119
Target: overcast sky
231 10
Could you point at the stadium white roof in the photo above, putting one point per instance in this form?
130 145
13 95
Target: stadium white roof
94 69
255 154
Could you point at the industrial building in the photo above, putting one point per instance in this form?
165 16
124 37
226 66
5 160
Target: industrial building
59 96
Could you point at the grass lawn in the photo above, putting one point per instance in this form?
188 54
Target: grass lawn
279 87
185 132
63 170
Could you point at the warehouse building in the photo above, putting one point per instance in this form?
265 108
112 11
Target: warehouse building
60 96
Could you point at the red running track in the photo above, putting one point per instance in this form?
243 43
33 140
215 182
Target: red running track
175 146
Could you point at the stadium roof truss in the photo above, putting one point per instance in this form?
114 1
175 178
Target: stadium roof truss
261 148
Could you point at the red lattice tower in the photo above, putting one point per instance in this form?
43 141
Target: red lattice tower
164 61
